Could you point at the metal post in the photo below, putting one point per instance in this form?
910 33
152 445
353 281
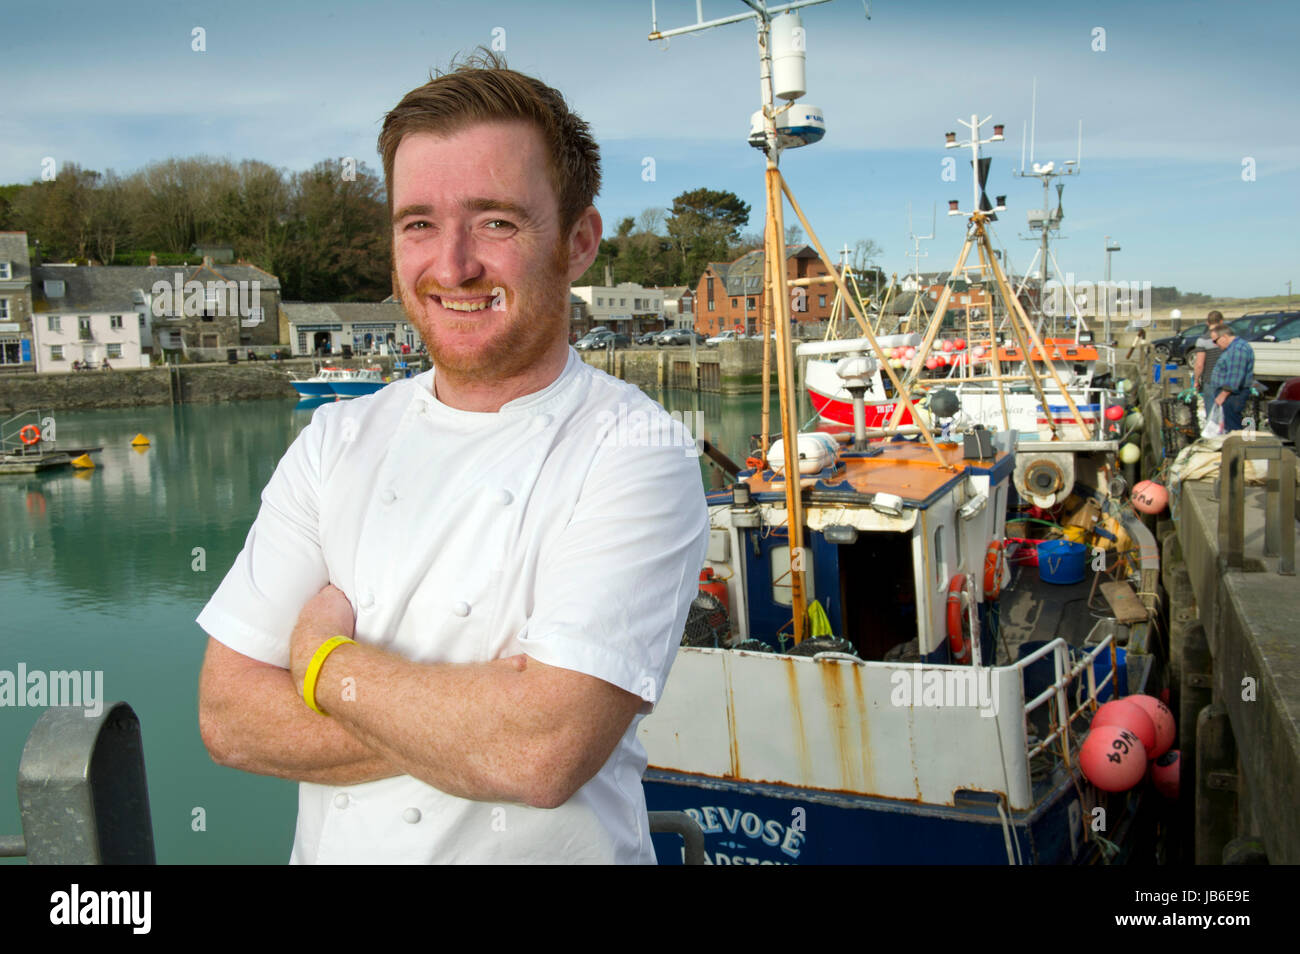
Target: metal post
82 792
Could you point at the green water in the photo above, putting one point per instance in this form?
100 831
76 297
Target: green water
99 572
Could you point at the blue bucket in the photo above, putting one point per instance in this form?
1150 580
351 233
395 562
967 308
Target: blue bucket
1101 668
1060 561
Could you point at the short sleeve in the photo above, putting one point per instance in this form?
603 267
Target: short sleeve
281 566
614 590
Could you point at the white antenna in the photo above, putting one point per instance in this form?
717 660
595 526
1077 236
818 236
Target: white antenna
1033 121
916 254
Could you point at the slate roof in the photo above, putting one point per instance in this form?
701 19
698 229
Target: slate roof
112 287
13 249
343 311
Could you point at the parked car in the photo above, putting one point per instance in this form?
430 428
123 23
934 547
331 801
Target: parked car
648 338
1277 353
679 336
729 335
1284 412
1249 327
603 339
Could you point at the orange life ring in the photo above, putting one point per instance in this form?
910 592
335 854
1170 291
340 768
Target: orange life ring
34 438
995 568
959 635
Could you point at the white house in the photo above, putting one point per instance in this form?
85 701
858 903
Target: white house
628 307
81 314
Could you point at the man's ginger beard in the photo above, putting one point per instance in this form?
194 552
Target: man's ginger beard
538 318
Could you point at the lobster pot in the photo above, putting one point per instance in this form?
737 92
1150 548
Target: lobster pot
788 56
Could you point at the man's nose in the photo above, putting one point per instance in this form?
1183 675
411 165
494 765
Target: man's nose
455 262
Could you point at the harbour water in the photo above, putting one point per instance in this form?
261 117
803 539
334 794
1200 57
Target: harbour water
104 572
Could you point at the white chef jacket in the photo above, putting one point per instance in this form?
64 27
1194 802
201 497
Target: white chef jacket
570 525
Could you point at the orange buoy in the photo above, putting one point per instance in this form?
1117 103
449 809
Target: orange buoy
1165 771
1149 497
959 635
1123 713
1112 758
1163 720
30 434
995 568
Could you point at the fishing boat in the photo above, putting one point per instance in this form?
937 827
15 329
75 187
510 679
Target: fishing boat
865 676
341 382
363 381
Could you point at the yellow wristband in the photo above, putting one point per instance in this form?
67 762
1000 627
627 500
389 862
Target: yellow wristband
314 668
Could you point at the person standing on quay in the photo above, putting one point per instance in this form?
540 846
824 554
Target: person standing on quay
1232 376
462 592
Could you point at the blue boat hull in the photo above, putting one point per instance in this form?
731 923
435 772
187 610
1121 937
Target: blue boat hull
752 823
312 388
356 388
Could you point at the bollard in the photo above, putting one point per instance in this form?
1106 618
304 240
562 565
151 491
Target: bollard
82 792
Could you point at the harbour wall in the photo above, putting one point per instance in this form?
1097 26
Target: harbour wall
181 384
733 367
1232 656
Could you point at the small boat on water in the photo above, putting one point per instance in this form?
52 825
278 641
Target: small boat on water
343 382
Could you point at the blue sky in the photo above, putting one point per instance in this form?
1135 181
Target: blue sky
1180 97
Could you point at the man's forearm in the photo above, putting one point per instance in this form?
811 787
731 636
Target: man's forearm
260 724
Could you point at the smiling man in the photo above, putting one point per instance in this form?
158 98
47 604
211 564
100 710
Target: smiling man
462 593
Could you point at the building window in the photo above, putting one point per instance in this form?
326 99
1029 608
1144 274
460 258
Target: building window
821 300
749 302
6 271
735 303
83 327
622 303
115 322
4 309
54 323
710 304
56 352
115 351
142 321
710 293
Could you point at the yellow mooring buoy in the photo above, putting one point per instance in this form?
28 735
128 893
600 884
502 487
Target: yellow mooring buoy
83 461
140 441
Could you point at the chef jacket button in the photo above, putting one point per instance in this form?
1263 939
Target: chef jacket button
411 816
504 497
461 609
341 800
542 421
367 599
388 496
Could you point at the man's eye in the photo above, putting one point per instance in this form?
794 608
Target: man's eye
497 224
415 226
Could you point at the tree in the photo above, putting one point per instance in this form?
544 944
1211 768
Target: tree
703 224
866 253
793 235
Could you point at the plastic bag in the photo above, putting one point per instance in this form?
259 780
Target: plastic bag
1213 421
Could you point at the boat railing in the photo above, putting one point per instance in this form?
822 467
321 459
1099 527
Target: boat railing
1065 672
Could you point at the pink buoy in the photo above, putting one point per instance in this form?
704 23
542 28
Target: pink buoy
1126 714
947 345
1112 758
910 353
897 352
1162 718
931 363
1115 412
1165 771
1149 497
961 344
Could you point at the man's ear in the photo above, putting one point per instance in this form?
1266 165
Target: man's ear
584 241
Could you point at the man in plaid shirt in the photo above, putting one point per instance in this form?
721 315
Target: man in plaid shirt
1232 375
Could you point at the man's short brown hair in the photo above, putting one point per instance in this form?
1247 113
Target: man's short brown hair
1214 318
481 89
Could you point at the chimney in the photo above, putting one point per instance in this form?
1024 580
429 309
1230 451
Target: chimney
153 259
